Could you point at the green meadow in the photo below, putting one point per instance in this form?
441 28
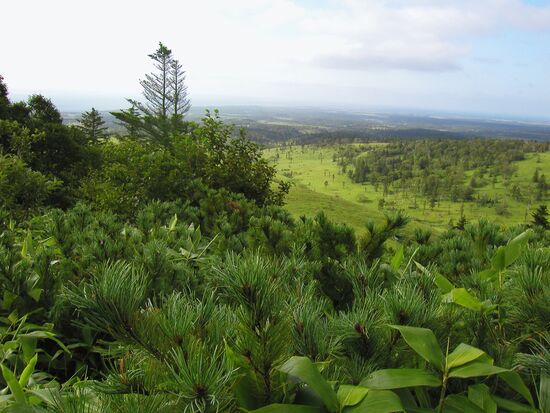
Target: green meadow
319 184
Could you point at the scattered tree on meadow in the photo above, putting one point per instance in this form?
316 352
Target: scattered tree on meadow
542 187
91 123
461 223
540 217
536 175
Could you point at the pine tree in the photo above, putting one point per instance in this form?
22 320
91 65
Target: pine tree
156 86
542 187
180 101
536 176
91 123
540 217
166 101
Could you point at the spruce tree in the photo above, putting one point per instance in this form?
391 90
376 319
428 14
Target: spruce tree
536 176
180 101
540 217
166 101
156 86
542 187
91 123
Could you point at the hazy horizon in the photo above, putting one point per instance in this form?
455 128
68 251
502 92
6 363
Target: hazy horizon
487 57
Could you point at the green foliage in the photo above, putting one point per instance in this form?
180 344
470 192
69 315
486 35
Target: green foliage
372 244
91 124
23 190
224 161
43 111
132 175
166 102
180 322
540 217
173 281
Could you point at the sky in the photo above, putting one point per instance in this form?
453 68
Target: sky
465 56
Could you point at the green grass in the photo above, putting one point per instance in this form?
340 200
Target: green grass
319 185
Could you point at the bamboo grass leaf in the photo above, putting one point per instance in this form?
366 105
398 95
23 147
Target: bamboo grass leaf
423 341
305 370
400 378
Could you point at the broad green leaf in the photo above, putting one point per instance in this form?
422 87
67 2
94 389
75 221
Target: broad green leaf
173 223
462 297
27 371
378 401
287 408
304 369
480 395
407 397
13 384
462 354
28 344
476 369
49 242
399 378
306 396
398 258
350 395
498 262
46 335
507 255
515 247
443 283
423 341
460 404
515 381
488 274
511 406
8 299
13 317
321 365
247 391
28 247
35 293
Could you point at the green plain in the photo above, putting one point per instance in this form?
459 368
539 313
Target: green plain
318 184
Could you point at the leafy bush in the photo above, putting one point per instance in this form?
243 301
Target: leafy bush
23 190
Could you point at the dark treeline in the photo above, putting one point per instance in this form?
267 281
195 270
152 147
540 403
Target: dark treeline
381 134
158 272
276 134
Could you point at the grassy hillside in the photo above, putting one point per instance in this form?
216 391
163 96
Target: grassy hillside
319 184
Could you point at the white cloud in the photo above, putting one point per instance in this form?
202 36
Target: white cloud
260 49
416 35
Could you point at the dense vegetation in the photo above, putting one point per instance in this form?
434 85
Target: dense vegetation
438 169
158 272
